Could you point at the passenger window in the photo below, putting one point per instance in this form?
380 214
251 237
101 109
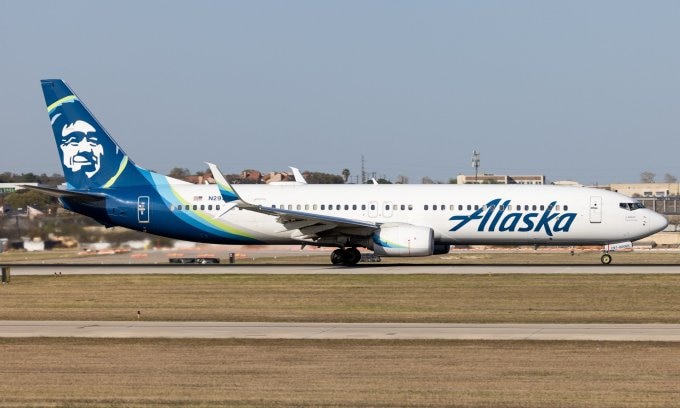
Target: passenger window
323 207
298 207
519 207
469 207
460 207
566 207
452 207
533 207
290 206
346 207
410 207
542 207
363 206
314 207
210 207
476 206
372 206
425 207
403 207
394 207
557 207
202 207
187 207
273 205
306 207
179 208
526 208
387 206
354 206
217 207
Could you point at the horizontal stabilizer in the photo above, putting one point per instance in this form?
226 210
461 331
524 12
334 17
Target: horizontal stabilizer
54 192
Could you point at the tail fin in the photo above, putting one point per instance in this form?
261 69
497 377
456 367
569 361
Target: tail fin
90 158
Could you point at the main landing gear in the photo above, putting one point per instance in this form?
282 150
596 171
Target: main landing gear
606 259
345 256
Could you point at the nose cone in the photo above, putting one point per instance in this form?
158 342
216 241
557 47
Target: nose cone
657 222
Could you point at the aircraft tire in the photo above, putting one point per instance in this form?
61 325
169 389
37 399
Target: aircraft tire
338 256
606 259
352 256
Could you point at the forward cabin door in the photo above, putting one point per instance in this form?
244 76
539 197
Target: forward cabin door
595 209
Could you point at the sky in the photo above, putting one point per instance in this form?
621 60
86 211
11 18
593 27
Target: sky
575 90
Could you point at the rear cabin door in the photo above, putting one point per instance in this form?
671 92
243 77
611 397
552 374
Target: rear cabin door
143 207
595 209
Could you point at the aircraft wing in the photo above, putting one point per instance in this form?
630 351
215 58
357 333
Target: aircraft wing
309 225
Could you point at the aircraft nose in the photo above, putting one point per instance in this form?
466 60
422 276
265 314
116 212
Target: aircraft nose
657 222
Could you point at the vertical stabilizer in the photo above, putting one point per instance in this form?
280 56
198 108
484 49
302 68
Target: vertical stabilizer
89 156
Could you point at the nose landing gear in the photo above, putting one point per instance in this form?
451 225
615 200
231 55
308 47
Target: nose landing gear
606 259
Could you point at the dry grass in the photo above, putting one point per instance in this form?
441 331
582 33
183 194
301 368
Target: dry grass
83 372
347 298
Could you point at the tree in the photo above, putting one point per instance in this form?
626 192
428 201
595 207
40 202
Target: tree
647 177
345 174
179 173
314 177
669 178
427 180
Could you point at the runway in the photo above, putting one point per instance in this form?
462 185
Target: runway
341 331
305 269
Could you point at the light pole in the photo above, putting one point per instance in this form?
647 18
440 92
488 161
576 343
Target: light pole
475 163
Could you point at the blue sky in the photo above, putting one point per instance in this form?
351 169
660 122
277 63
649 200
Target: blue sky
582 90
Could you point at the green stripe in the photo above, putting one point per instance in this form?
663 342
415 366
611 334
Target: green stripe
65 99
113 179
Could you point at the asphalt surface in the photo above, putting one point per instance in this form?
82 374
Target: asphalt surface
344 331
305 269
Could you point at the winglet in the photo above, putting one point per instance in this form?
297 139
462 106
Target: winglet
298 176
227 192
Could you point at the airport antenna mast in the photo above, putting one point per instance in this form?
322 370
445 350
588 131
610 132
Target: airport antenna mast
475 163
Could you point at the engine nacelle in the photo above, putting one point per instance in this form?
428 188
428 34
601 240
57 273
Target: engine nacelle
403 240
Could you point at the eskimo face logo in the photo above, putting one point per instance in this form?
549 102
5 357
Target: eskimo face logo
81 149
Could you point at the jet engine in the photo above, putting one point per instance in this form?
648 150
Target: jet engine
403 240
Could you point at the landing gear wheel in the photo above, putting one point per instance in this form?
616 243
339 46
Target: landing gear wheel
338 256
352 256
606 259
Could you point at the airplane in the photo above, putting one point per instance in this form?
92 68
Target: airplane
102 182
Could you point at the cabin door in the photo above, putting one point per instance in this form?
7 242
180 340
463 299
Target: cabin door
143 207
595 209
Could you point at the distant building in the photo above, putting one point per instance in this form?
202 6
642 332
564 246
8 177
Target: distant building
647 190
568 183
500 179
12 187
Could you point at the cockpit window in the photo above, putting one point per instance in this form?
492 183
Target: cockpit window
631 206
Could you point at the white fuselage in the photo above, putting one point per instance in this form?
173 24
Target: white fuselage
458 214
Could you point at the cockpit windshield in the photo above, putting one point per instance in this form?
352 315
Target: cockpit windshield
631 206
